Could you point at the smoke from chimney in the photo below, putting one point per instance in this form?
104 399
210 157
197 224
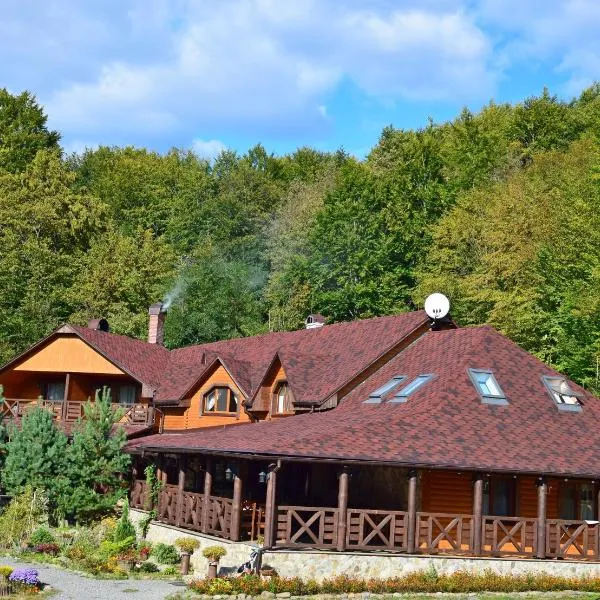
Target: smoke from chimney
156 324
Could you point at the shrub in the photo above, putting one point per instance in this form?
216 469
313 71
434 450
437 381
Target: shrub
22 516
41 536
214 553
148 567
52 549
187 544
124 528
170 571
84 545
5 571
144 548
26 577
108 549
165 554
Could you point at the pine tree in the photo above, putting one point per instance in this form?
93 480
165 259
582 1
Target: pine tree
35 456
96 462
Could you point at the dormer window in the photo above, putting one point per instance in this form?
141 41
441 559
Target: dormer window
413 386
487 387
282 400
561 392
220 400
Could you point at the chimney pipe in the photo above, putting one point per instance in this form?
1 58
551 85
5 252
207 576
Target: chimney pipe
156 323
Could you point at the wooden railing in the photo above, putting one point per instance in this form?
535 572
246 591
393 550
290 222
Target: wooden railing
71 410
253 520
167 504
138 497
191 516
509 536
219 516
572 539
307 526
376 530
439 532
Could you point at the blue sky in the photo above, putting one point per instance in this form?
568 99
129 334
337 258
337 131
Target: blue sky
209 74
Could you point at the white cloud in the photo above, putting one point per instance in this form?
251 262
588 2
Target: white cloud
263 65
208 149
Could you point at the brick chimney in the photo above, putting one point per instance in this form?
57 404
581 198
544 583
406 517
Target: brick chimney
156 324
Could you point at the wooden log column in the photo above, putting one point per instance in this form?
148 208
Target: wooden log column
270 506
63 412
207 493
477 513
411 516
180 489
343 481
541 517
236 509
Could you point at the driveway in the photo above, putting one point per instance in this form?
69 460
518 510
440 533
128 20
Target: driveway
71 586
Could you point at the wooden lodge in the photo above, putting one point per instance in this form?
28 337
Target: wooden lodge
394 434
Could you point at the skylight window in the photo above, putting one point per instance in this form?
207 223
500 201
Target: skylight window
561 392
412 387
488 388
376 396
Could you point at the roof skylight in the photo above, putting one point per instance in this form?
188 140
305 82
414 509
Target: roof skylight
488 388
412 387
376 396
561 392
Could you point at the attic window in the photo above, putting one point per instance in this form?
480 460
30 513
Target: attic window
488 388
561 392
220 401
412 387
282 402
376 396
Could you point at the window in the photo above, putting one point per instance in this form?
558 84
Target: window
220 400
282 401
55 391
127 394
560 391
499 497
412 387
488 388
376 396
576 501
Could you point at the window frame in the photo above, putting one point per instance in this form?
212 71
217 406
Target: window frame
288 399
491 485
494 399
575 488
55 382
215 413
402 396
135 394
562 406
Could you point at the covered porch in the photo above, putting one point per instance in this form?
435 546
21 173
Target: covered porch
349 507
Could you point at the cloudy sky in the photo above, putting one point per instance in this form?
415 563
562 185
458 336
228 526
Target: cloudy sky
210 74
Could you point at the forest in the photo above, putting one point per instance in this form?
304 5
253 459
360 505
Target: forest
498 209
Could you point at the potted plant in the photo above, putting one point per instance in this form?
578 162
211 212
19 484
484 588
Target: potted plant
213 554
127 559
186 546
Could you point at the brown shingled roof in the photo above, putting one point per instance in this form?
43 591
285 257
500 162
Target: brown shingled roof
443 424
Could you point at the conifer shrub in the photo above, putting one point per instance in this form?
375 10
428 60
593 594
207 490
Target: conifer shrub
41 535
165 554
124 528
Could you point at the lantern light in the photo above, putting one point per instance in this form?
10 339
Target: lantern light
262 477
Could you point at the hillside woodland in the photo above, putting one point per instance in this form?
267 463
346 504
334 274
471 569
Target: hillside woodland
498 209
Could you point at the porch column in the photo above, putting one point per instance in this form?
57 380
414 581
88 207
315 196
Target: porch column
343 481
541 517
477 512
63 415
207 493
180 489
270 507
411 517
236 509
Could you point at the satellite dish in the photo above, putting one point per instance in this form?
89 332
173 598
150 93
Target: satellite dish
437 306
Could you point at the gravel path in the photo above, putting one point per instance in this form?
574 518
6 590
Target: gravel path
71 586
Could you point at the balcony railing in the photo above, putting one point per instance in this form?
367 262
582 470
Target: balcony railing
71 410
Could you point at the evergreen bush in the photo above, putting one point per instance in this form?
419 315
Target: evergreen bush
124 529
165 554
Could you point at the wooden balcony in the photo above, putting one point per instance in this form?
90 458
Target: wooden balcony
70 411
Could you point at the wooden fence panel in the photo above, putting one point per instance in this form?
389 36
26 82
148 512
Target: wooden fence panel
167 504
376 530
192 511
219 516
139 494
307 526
509 536
572 539
438 532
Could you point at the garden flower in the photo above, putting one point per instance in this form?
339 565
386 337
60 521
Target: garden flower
25 576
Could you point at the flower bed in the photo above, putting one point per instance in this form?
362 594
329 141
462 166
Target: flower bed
420 582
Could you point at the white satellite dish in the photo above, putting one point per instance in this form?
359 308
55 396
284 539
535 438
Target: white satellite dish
437 306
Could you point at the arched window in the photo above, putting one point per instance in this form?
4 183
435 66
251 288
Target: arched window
282 401
220 400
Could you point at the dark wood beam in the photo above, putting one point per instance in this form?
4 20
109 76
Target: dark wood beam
207 493
270 506
180 489
236 509
411 516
